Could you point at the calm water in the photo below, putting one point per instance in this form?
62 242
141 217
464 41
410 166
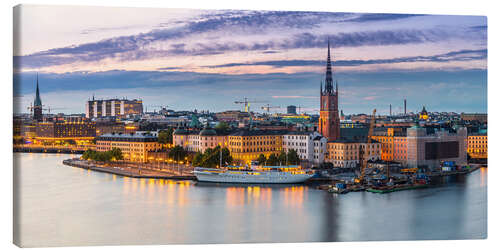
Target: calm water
65 206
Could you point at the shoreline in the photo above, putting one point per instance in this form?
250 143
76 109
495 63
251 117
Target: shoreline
75 162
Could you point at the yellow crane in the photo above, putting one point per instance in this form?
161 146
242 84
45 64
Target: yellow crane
363 156
246 103
269 107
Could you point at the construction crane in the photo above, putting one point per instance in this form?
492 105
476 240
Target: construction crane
48 109
268 107
156 106
362 155
246 103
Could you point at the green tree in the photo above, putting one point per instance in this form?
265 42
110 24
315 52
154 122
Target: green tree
293 157
262 160
222 127
116 154
177 153
212 156
87 154
282 158
165 136
272 160
198 160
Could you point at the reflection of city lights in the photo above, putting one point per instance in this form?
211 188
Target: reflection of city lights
483 173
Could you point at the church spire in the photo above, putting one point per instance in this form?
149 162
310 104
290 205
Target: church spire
329 78
38 101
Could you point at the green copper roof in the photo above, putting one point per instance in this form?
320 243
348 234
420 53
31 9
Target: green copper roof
195 123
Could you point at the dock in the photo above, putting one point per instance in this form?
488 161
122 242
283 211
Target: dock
126 171
332 188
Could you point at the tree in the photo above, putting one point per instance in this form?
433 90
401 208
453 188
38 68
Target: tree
272 160
222 127
165 136
177 153
262 160
282 158
87 154
293 157
212 156
116 154
198 159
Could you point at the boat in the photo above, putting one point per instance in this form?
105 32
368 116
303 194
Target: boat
396 188
254 174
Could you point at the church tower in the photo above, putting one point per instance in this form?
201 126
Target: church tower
37 105
329 121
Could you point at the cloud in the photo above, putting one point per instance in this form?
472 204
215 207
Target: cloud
381 17
462 55
370 98
294 97
145 45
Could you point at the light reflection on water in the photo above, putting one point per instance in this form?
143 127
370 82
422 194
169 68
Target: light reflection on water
65 206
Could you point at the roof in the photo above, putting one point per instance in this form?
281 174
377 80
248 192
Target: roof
38 101
181 131
208 132
129 135
258 132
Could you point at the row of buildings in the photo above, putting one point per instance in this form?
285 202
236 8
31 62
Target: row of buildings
413 140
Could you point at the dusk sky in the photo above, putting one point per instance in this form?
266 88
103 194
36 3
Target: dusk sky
207 59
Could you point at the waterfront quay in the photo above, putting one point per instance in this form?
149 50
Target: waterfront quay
135 170
30 148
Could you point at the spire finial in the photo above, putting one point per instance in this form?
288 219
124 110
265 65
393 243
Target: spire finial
328 78
38 100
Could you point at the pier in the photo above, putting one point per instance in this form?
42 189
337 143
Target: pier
130 170
341 187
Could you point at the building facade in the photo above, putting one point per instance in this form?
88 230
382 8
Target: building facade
113 107
483 118
135 147
329 121
247 145
310 146
347 154
387 137
199 141
79 129
477 145
428 148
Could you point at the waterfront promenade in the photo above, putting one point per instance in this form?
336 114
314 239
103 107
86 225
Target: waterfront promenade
136 170
72 149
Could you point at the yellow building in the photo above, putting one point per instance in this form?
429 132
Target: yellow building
346 154
247 145
135 147
477 145
387 138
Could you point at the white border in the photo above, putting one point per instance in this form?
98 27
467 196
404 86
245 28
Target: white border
476 7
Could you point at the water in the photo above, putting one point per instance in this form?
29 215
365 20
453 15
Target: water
66 206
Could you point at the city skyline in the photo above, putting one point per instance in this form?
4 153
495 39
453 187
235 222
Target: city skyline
196 59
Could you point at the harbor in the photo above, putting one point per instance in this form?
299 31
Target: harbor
339 184
392 183
97 206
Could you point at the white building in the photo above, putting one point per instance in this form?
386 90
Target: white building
310 146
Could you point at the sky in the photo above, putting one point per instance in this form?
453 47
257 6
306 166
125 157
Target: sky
189 59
